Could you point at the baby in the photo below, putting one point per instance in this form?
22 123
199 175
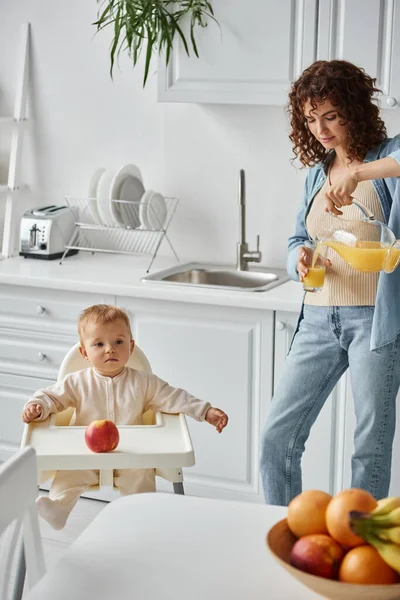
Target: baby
108 389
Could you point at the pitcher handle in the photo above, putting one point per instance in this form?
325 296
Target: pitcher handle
392 258
367 213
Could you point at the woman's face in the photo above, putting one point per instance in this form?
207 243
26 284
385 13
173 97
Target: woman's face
325 125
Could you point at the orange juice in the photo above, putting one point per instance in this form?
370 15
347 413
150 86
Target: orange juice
364 256
314 280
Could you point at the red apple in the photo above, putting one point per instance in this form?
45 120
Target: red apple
102 436
318 554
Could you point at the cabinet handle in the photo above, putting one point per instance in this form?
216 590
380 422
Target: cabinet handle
390 101
40 310
41 356
280 325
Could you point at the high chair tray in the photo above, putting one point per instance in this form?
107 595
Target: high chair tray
166 444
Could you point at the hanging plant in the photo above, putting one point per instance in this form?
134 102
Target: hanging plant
153 24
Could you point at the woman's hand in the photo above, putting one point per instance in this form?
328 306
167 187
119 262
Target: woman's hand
305 261
32 412
339 194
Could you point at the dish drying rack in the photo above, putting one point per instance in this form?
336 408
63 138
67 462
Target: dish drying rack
95 233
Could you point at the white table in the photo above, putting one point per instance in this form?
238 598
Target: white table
162 546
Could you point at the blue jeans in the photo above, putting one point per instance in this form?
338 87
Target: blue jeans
329 340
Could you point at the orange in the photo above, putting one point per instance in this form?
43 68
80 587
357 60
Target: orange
306 513
364 565
337 514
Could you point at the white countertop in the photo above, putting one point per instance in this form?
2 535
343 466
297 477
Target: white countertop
121 276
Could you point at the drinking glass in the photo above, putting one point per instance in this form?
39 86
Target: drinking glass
314 280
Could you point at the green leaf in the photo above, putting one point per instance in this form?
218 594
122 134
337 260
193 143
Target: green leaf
193 40
148 56
184 42
114 45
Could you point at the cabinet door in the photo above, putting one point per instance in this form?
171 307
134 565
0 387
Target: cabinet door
261 47
318 458
218 356
364 32
44 310
32 354
14 393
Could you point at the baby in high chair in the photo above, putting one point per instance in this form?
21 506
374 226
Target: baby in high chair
108 389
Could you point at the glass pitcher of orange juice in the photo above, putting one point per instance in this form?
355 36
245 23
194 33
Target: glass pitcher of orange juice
365 244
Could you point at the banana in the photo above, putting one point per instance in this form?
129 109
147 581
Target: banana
390 534
388 551
384 526
386 505
391 519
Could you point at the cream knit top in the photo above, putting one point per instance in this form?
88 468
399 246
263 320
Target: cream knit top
344 286
123 398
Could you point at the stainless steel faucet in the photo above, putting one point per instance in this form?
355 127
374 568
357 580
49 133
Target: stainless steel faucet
244 255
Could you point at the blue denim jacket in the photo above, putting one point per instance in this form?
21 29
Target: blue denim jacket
386 323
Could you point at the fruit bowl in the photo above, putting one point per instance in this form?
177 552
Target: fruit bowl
280 541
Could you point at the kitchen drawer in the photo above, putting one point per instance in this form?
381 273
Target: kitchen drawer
45 310
32 354
14 393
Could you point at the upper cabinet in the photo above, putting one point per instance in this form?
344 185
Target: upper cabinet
367 33
259 48
264 45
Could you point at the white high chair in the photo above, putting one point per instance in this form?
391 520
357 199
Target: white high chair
163 443
18 492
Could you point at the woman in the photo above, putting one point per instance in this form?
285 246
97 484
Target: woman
355 321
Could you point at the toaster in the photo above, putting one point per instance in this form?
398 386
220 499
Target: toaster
45 231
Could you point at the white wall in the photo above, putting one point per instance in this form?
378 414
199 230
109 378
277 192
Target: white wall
80 120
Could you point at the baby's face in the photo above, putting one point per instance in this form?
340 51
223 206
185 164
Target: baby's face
107 346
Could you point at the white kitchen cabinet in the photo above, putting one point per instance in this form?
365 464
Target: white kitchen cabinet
261 47
264 45
224 356
32 354
14 392
319 458
44 310
367 33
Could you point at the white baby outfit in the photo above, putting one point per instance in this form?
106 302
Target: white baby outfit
122 399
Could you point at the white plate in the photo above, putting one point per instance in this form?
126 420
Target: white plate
127 184
103 198
94 182
153 210
143 209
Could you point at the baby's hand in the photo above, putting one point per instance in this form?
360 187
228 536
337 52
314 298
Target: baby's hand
31 412
218 418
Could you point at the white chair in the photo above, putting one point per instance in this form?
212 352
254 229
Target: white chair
18 493
162 443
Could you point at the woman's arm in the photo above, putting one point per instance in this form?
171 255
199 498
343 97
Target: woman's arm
300 237
340 193
377 169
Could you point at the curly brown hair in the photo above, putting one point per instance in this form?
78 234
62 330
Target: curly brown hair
350 89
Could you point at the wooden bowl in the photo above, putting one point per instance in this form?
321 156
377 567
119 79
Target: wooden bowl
280 541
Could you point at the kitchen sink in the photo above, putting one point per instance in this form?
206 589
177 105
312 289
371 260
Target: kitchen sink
221 277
